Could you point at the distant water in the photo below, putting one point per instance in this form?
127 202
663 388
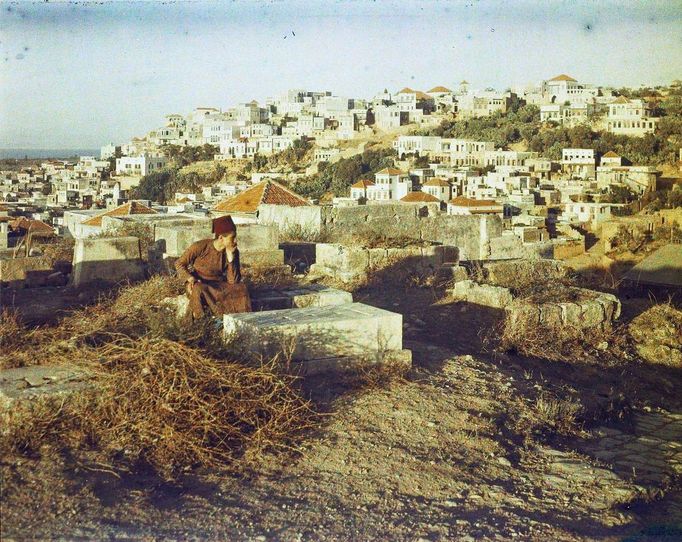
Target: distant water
47 153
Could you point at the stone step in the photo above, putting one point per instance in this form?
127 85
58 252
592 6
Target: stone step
331 334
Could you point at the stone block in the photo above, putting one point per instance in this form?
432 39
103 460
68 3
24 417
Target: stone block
257 237
107 260
449 272
313 333
27 271
550 315
570 314
261 258
481 294
177 238
313 295
591 313
347 260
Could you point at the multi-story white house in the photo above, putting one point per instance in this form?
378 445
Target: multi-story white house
359 189
465 152
563 88
417 145
483 104
390 184
439 188
507 158
390 117
586 212
630 117
578 162
108 151
639 179
568 115
140 165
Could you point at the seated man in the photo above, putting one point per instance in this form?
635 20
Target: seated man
211 270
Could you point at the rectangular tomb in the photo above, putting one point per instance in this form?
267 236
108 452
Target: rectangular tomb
322 338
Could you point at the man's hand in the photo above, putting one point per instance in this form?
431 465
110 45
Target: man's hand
191 281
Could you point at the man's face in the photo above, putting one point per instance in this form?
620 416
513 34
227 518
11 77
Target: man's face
228 242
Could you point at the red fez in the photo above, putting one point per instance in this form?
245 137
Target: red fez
224 225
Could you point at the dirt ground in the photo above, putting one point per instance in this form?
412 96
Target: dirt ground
442 455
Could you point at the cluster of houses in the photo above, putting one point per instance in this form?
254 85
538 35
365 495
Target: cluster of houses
461 177
472 177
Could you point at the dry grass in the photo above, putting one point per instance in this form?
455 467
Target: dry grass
11 333
523 335
178 408
548 416
163 395
381 376
657 335
297 233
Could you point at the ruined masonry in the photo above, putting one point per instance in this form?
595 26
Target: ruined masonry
107 260
333 337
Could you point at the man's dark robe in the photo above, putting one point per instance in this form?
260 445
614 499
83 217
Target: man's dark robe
219 286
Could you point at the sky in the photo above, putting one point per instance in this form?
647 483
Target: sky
83 74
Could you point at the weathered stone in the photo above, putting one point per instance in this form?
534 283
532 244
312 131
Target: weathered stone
282 298
108 260
351 330
261 258
550 315
481 294
27 271
452 272
591 313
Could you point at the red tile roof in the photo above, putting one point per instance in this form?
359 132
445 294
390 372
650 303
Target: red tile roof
32 226
440 89
266 192
390 171
419 197
436 181
610 154
129 208
362 183
461 201
563 77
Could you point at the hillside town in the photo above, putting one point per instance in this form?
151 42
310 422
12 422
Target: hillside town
540 198
434 315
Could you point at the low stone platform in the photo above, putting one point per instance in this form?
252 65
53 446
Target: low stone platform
28 383
313 295
321 339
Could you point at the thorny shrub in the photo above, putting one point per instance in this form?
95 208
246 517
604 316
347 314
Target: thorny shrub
161 394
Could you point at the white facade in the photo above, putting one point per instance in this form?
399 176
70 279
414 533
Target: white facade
390 117
390 184
140 165
630 117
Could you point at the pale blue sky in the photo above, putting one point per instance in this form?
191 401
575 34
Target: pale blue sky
83 74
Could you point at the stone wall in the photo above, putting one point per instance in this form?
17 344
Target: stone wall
107 260
349 263
471 234
27 271
594 309
597 309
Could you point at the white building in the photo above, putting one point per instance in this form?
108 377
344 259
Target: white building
390 184
568 115
390 117
417 145
438 188
140 165
630 117
359 189
563 88
483 104
467 206
586 212
578 162
639 179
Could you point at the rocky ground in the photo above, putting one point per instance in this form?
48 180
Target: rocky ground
466 448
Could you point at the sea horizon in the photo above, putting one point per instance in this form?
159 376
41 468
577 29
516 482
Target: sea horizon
47 153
